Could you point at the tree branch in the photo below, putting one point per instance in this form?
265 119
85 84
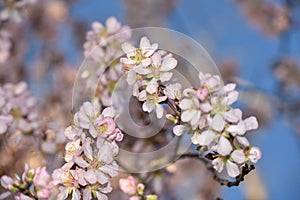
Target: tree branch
245 170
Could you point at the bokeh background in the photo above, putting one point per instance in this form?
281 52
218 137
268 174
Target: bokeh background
255 43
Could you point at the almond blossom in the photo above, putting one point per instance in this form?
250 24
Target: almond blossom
90 154
18 110
207 113
103 46
136 192
33 184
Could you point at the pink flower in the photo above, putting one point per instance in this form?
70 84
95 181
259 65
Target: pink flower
127 185
117 135
41 177
103 127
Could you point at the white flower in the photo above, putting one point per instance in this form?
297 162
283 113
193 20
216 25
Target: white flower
151 99
180 129
138 56
254 154
244 125
173 91
232 168
160 67
190 107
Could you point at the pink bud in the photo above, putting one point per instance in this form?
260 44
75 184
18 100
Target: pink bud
202 94
127 185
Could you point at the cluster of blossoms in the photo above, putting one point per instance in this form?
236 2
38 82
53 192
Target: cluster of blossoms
5 45
90 154
18 110
34 184
207 112
103 46
147 68
136 192
13 9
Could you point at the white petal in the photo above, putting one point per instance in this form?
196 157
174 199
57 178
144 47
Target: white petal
131 77
142 70
108 112
159 111
144 43
128 48
90 176
255 154
165 76
147 106
150 51
232 169
238 156
185 104
80 161
152 87
233 115
205 106
146 62
232 97
196 118
206 137
142 95
224 147
218 122
179 130
218 164
168 64
187 115
251 123
127 61
156 60
243 141
229 87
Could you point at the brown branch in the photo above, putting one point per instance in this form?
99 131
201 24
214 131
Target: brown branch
245 170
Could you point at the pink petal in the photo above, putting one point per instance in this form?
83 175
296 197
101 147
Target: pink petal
80 161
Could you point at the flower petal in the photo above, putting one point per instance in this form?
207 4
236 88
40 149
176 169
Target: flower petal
224 147
218 122
232 169
238 156
168 64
